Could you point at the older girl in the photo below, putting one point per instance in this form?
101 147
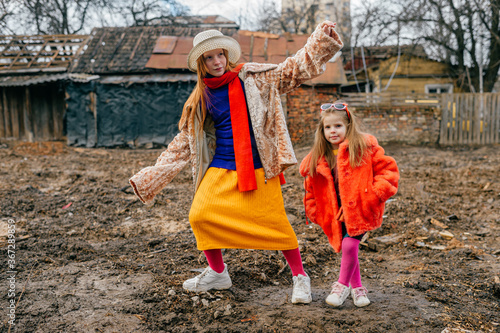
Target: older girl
233 130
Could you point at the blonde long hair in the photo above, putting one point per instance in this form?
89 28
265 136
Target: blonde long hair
357 143
199 94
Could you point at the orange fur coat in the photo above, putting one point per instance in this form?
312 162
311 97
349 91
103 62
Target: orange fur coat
363 191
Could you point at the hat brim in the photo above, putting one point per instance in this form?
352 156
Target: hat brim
218 42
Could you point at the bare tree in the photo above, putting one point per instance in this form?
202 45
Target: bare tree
376 24
463 34
300 16
8 9
268 18
60 16
147 12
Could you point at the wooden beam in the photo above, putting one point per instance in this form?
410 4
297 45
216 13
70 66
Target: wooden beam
6 114
2 109
55 54
28 117
136 45
120 41
38 53
17 57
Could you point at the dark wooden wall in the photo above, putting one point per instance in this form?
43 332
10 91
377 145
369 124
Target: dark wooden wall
32 113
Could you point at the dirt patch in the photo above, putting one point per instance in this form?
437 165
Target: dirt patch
91 258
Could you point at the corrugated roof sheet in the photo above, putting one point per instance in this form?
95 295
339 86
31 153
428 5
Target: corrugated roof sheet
27 80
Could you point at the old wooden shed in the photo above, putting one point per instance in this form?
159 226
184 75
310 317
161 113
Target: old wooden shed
32 95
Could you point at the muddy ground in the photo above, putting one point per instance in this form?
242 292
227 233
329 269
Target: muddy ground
90 257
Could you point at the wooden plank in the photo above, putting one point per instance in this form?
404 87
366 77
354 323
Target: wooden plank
485 138
136 45
453 120
57 113
6 114
15 113
2 109
37 55
45 115
496 112
491 102
466 109
28 127
471 109
443 130
56 53
458 121
475 133
93 109
17 57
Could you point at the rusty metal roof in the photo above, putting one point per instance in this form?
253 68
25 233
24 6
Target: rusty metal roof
255 47
128 49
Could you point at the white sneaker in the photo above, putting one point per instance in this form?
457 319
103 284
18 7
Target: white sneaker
338 294
359 297
208 280
301 289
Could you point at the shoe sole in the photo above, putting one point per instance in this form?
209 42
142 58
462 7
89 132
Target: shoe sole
223 287
363 305
334 305
300 301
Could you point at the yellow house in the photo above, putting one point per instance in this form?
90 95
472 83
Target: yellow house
391 69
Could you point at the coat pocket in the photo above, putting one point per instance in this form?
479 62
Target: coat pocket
371 205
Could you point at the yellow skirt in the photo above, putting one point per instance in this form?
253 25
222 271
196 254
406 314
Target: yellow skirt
223 217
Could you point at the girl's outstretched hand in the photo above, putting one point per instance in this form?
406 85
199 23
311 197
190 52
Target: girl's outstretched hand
328 28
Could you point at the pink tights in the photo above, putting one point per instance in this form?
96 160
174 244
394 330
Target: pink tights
216 262
349 265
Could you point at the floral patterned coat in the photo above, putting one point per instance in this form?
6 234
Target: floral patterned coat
363 191
264 83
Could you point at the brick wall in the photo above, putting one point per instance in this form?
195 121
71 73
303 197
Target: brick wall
410 125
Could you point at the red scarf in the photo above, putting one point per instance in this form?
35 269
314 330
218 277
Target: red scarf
241 129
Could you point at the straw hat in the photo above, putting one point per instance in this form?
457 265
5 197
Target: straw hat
210 40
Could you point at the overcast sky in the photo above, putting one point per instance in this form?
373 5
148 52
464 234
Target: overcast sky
231 9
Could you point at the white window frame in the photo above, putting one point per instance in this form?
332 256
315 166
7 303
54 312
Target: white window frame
446 88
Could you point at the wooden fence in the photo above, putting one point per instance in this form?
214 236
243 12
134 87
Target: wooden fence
470 119
465 118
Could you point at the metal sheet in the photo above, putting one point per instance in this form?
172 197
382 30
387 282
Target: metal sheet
165 44
28 80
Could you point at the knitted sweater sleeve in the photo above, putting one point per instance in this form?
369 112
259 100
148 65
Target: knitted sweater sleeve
148 182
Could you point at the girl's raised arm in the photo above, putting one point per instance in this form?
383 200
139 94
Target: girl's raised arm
310 61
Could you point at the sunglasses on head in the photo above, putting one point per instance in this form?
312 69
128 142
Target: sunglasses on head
338 107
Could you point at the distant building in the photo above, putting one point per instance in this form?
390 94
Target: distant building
380 69
313 12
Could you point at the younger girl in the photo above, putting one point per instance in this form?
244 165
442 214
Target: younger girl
347 181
